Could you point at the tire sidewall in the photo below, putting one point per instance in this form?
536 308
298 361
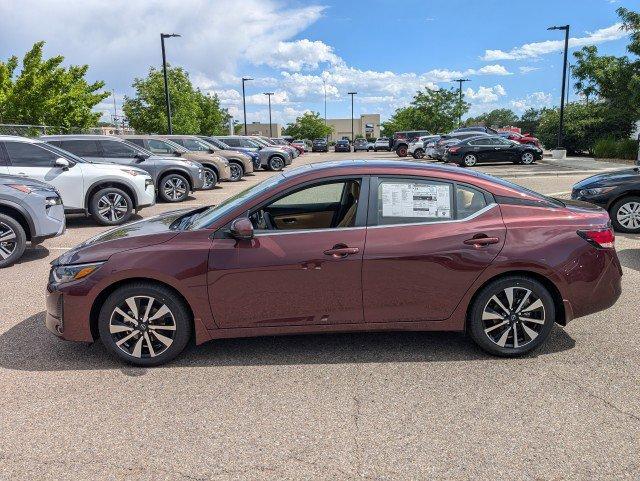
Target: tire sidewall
401 151
210 171
93 206
475 327
277 159
161 188
613 214
239 169
418 154
21 241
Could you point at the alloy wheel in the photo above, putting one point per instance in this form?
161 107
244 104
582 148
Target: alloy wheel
628 215
527 158
8 241
112 206
513 317
276 163
470 160
236 172
175 188
210 179
142 327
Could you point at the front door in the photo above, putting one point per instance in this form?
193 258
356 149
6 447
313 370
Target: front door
427 242
302 267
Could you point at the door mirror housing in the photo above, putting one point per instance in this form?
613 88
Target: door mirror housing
177 153
141 157
62 163
242 229
212 151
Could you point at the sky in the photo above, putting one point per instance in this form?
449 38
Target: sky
383 49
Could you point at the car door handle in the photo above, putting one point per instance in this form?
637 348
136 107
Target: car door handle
482 241
341 250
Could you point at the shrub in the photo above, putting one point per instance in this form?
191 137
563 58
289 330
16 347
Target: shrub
609 148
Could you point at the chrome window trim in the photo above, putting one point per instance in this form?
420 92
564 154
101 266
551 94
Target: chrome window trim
450 221
304 231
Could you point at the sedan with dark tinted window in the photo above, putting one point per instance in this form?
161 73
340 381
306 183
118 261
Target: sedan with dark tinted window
342 146
491 148
446 249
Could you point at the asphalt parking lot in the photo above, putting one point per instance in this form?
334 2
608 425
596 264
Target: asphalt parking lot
349 406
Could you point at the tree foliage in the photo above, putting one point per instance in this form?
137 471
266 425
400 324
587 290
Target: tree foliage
495 118
43 92
192 111
308 126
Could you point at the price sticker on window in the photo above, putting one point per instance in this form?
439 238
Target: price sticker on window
415 200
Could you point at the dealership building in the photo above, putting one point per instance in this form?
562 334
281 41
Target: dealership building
367 125
256 128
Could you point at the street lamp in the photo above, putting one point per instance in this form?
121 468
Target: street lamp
244 105
352 94
269 94
166 81
460 81
564 78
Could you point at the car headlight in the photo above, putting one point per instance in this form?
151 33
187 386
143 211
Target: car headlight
147 182
192 164
54 200
595 191
64 274
131 172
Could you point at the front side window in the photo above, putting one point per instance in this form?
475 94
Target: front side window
114 149
409 201
23 154
194 145
160 147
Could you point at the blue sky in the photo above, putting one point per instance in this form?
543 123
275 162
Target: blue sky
383 49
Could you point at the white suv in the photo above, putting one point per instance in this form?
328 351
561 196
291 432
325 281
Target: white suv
108 192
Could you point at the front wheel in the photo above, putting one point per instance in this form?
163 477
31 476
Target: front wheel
469 160
527 158
173 188
13 240
110 206
144 324
237 171
401 151
418 154
625 215
210 178
276 163
511 316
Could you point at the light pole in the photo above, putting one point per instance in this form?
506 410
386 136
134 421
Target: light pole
460 81
564 78
166 81
352 133
269 94
244 104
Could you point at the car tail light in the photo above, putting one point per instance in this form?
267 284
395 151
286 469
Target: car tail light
453 150
600 238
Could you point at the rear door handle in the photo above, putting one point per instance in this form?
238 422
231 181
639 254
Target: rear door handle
341 250
482 241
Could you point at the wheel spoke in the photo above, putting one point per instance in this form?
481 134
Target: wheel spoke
159 313
530 332
162 328
492 328
523 301
162 338
145 317
149 346
491 315
137 350
8 236
126 316
515 335
509 293
534 305
4 253
116 328
131 302
503 339
497 301
535 321
126 338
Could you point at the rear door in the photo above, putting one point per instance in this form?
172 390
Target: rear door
427 241
86 148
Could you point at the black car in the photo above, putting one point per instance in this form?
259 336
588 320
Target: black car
360 144
618 193
491 148
342 146
320 145
447 140
477 128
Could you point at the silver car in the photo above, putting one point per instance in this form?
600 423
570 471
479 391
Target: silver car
30 211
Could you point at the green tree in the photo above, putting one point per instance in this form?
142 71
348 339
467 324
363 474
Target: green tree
495 118
45 92
213 119
530 120
308 126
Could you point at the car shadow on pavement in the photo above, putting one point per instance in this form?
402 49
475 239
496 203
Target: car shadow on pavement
630 258
33 254
79 220
28 346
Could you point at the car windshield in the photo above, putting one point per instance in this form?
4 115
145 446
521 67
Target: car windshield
204 217
63 153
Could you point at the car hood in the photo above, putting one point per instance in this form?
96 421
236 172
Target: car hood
18 179
110 166
231 154
143 233
609 178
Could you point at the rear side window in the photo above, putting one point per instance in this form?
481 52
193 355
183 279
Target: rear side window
23 154
232 142
469 201
138 142
82 148
117 150
410 201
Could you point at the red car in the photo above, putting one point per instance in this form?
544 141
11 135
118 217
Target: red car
342 246
521 138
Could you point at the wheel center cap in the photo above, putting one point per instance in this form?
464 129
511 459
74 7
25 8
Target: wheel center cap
143 326
512 317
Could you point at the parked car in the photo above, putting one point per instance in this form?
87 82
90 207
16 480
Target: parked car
618 193
360 144
320 145
109 193
239 163
299 148
382 143
521 138
477 128
30 212
342 146
492 148
174 178
215 167
301 144
371 144
271 157
219 145
447 140
446 249
417 147
401 140
280 143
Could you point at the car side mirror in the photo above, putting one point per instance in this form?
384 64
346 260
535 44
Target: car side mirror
141 157
242 229
62 163
177 153
212 151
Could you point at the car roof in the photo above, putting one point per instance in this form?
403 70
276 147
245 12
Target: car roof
80 137
18 138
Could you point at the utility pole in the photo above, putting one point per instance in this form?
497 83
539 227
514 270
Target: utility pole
244 104
564 78
460 81
269 94
166 81
352 132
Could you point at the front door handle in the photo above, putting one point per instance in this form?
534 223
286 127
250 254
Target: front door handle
341 250
482 241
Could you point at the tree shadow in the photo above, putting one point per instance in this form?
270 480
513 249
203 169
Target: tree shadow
29 346
630 258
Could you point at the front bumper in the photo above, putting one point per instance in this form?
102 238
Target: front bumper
146 194
197 178
50 222
599 200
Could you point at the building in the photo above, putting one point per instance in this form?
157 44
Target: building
256 128
368 125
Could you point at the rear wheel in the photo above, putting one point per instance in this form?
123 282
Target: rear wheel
276 163
237 171
469 160
401 151
173 188
13 240
511 316
210 178
110 206
625 215
144 324
418 154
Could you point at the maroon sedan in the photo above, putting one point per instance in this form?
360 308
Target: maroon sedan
342 246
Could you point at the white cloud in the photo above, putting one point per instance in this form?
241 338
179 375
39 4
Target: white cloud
525 69
534 100
294 56
485 95
536 49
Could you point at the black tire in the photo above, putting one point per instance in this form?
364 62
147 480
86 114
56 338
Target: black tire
469 160
476 326
626 205
178 193
110 206
527 158
275 163
237 171
210 178
418 154
12 248
401 151
178 318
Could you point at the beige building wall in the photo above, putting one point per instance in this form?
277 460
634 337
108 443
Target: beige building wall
256 128
368 125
